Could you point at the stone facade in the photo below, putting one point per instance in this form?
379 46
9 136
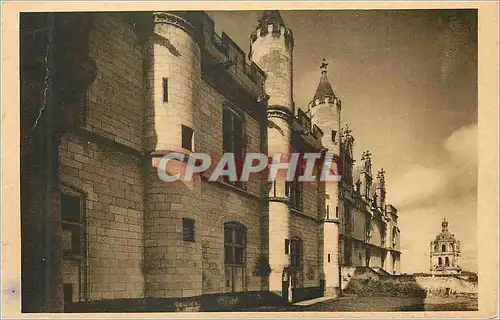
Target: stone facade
166 82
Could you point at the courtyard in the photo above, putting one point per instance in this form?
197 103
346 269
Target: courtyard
381 304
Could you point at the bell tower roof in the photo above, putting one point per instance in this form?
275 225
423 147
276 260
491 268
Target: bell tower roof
324 87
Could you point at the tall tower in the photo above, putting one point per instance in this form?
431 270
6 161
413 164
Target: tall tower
272 50
173 75
325 113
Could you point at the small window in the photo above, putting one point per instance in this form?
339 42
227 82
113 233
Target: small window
328 258
187 138
296 253
328 211
165 90
68 293
72 224
70 208
287 246
336 212
443 248
188 229
334 136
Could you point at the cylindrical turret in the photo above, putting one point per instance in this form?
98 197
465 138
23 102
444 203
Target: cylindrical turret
173 76
325 113
272 50
173 80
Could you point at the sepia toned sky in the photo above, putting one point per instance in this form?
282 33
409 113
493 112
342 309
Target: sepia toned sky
408 84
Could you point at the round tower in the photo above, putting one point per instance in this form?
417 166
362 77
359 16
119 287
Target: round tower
173 79
173 75
272 50
325 113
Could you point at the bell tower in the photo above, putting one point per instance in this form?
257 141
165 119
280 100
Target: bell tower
444 252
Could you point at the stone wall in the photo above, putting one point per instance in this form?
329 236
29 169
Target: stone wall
102 161
112 182
444 285
115 98
221 205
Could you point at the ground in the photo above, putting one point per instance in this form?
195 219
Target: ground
372 304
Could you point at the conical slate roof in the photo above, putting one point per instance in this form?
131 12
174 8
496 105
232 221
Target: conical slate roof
324 87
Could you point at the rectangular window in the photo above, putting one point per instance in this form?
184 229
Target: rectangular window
188 229
294 191
73 247
334 136
233 139
287 246
295 252
68 293
328 257
72 225
234 256
336 212
70 208
187 138
165 90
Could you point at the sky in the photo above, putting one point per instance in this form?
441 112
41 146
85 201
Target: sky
408 84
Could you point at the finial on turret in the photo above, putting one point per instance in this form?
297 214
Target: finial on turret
381 175
347 130
324 66
367 161
444 225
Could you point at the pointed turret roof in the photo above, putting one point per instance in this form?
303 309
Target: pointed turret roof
324 88
270 17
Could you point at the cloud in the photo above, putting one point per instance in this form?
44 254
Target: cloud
417 185
424 195
456 177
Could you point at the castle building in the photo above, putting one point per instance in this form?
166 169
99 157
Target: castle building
444 252
104 96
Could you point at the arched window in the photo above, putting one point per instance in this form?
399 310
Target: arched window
440 261
443 248
234 256
446 262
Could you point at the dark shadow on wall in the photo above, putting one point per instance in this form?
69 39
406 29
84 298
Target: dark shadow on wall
227 302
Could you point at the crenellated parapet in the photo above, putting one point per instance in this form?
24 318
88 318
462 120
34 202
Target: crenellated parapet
303 122
273 30
224 55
